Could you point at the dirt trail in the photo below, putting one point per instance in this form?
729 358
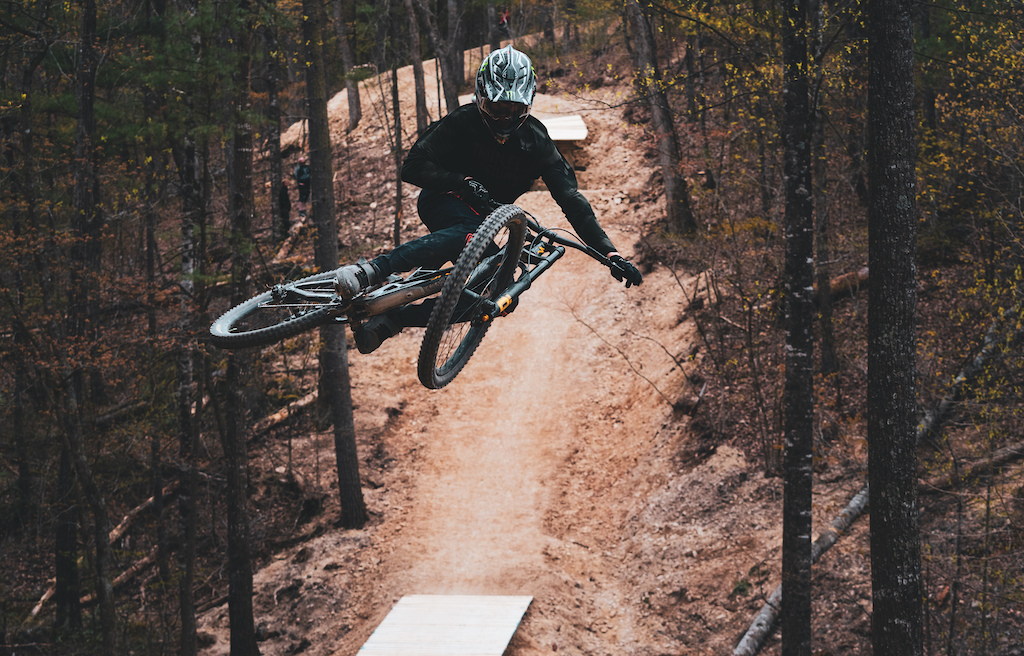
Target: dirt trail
477 527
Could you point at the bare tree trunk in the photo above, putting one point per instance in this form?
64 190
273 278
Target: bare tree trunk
449 76
66 591
98 505
396 110
456 40
236 471
342 11
233 437
416 54
547 12
87 224
493 37
334 383
679 216
279 219
151 101
798 393
829 361
690 85
188 485
896 586
571 34
23 181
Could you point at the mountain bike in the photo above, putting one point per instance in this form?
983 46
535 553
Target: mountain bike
501 260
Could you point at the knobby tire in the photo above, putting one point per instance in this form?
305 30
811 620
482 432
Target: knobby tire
454 330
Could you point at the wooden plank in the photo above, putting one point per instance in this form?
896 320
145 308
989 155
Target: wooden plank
447 625
566 128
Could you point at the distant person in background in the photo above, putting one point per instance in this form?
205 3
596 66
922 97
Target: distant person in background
503 24
302 178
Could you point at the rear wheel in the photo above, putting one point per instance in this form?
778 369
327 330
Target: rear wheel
485 269
284 311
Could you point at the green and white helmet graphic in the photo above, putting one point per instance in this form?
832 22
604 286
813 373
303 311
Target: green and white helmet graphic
505 86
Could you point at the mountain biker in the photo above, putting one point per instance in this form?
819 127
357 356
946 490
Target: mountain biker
486 151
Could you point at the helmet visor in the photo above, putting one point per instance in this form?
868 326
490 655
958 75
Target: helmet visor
505 116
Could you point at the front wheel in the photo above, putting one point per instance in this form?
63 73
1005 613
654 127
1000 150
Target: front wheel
485 269
281 312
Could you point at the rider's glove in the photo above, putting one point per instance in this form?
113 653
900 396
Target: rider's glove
476 196
624 271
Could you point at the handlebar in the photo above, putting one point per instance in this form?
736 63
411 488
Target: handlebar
563 240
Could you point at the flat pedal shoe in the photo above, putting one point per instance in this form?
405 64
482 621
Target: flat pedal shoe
374 331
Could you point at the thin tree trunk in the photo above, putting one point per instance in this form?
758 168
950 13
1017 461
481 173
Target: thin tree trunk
455 40
829 362
449 77
191 198
88 219
239 551
416 53
396 110
279 219
98 505
693 111
493 37
66 590
233 437
679 216
547 12
334 383
798 393
23 183
896 586
342 10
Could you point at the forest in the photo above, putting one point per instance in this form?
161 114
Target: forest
832 194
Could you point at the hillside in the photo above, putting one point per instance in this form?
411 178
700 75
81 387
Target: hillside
554 466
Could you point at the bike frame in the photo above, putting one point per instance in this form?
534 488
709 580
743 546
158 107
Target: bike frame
417 285
543 248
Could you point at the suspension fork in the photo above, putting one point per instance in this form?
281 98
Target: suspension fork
541 260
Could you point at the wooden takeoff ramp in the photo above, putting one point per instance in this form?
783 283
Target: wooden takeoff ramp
447 625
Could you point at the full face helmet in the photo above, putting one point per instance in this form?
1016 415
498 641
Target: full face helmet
505 86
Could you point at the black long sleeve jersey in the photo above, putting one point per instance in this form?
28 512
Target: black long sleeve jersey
460 146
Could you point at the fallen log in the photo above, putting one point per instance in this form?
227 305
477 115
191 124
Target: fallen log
978 468
128 519
126 575
281 415
294 232
847 284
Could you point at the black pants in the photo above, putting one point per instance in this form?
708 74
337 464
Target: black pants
450 222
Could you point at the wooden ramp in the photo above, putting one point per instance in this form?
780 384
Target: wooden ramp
566 128
447 625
